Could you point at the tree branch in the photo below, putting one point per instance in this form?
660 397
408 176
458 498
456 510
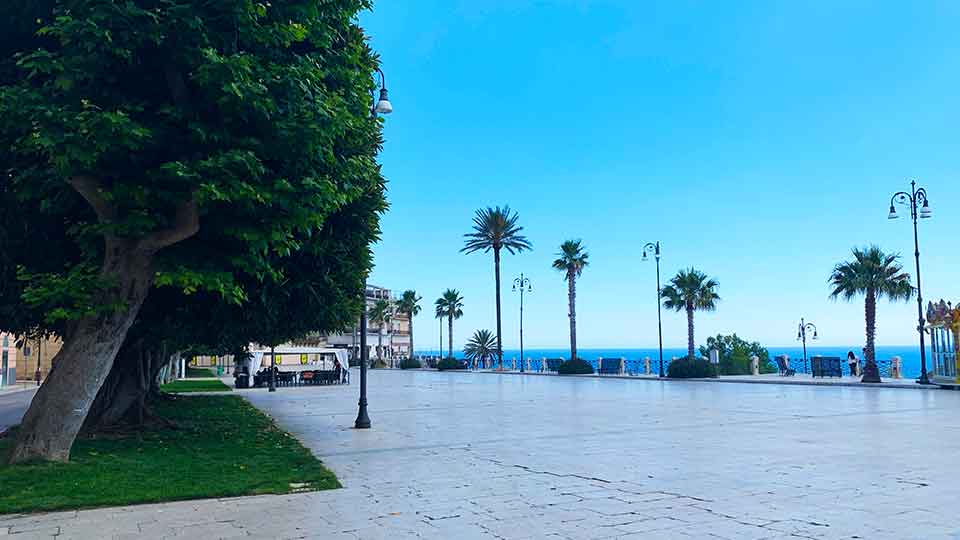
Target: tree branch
186 223
90 189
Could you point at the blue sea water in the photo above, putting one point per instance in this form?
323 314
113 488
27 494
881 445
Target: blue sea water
909 355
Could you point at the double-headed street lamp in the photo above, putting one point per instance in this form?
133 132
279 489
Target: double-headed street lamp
522 283
916 200
802 336
654 247
381 106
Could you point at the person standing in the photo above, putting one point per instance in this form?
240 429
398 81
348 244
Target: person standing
852 362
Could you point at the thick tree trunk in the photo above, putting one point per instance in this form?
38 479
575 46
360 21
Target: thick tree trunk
572 301
496 273
119 392
59 408
450 336
871 372
690 339
380 342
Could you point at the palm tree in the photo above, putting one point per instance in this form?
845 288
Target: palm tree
495 229
571 260
874 274
381 314
481 348
450 305
690 290
410 304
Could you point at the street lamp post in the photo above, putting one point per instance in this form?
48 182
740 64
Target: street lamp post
917 197
802 336
522 283
654 247
381 106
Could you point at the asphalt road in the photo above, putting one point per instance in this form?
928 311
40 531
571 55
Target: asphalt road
12 407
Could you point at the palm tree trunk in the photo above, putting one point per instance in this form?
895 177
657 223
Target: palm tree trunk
450 336
871 373
690 340
380 342
496 273
410 352
572 299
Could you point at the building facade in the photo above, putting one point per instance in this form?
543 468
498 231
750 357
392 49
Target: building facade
37 355
389 343
8 359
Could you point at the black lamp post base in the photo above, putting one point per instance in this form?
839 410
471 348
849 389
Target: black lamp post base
923 379
363 421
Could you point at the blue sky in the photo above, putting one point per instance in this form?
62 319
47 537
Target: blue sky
758 141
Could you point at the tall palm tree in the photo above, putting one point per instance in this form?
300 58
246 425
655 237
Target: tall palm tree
481 348
874 274
571 260
495 229
690 290
450 305
410 304
381 313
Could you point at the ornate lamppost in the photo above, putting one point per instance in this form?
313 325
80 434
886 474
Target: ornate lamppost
522 283
381 106
802 336
654 247
916 200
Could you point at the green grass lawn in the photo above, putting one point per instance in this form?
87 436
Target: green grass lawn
186 385
222 447
200 373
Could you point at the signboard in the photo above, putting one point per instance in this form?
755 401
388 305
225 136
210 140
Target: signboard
303 359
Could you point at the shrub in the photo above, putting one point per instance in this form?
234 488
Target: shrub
450 363
735 353
691 368
410 363
578 366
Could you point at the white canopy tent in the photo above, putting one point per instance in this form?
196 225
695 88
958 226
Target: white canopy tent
298 358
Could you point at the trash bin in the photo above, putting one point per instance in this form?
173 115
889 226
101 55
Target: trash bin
242 380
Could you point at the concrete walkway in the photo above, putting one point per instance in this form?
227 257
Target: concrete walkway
462 456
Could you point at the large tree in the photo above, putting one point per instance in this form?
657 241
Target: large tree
690 290
875 275
410 304
180 143
495 229
571 260
449 305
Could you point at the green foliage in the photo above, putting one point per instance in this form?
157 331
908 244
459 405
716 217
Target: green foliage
495 229
409 303
154 465
184 386
450 363
410 363
571 259
578 366
450 304
735 353
691 368
381 313
871 270
690 289
257 113
481 347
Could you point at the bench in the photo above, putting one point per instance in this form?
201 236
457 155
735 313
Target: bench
826 366
552 364
784 366
610 366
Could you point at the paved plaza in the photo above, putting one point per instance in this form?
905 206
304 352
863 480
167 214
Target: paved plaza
467 455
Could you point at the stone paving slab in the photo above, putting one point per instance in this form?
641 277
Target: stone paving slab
463 456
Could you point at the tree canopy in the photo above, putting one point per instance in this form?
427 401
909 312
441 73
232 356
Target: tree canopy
195 147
